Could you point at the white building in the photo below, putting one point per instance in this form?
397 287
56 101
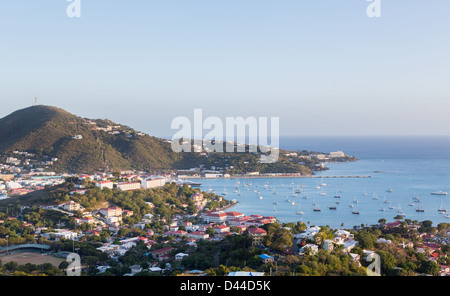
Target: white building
337 154
129 186
105 184
153 183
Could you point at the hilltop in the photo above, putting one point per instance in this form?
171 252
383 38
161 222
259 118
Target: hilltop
80 144
84 145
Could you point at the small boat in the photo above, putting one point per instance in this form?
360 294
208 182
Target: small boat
382 209
298 190
293 203
299 212
332 208
317 208
439 193
389 190
375 196
305 197
420 209
442 209
355 212
337 195
260 197
364 193
322 183
275 203
355 200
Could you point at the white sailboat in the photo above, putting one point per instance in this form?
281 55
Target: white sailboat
299 212
441 209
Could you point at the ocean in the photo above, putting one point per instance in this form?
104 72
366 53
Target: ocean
412 167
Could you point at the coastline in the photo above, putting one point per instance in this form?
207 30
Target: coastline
280 176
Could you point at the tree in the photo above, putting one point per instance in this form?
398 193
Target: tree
387 261
429 267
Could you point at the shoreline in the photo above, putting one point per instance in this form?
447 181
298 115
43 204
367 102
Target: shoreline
270 176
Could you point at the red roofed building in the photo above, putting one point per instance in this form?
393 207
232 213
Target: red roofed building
221 229
234 215
257 235
161 254
179 233
198 235
215 217
393 224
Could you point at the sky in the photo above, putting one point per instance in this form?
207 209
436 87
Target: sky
323 67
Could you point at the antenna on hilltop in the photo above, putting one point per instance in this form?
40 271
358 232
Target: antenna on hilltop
35 101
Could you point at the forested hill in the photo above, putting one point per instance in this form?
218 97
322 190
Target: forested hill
82 145
90 145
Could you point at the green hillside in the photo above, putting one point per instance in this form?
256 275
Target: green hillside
46 130
103 145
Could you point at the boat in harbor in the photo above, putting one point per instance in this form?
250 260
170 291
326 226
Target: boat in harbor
355 211
389 190
299 212
382 209
317 208
332 207
441 209
420 209
439 193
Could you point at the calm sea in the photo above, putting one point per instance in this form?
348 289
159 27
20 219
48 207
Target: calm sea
409 166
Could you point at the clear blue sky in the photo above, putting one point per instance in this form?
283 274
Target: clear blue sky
323 67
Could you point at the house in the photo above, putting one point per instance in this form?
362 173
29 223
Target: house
71 206
161 254
88 220
221 229
355 258
180 256
180 233
328 245
198 235
257 235
309 248
111 212
135 269
266 258
385 241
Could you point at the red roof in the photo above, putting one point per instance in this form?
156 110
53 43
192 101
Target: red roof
221 226
259 231
234 214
